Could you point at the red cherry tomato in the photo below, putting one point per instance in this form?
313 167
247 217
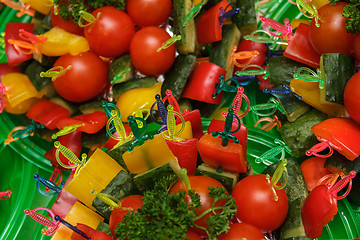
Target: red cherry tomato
133 201
69 26
352 97
149 12
242 231
255 200
331 36
313 170
144 54
5 69
200 185
193 236
86 78
357 47
110 34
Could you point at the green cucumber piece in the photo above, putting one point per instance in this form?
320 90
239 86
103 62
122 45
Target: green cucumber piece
122 68
120 186
120 88
146 181
94 140
116 154
104 227
294 107
228 179
245 19
339 161
177 76
180 10
298 134
90 107
72 107
336 70
296 191
222 51
282 69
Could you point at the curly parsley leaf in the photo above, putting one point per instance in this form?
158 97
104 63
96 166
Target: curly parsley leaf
352 14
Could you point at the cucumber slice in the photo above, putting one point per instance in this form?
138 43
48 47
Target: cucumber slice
180 10
294 107
228 179
177 76
298 134
245 19
121 186
117 153
222 51
90 107
336 70
282 69
122 68
145 82
339 161
104 227
296 191
146 181
72 107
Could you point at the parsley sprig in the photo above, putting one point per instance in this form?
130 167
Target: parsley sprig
352 14
167 216
71 9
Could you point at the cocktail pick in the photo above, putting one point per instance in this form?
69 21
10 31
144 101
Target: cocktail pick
171 124
139 133
75 163
262 36
66 130
310 76
324 144
273 105
169 42
19 6
227 14
171 100
55 72
281 30
48 184
224 85
67 224
280 170
285 90
52 225
308 11
119 127
266 158
253 72
227 133
194 11
5 195
88 18
22 132
272 122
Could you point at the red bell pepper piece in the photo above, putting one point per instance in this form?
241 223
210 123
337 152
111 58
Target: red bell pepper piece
196 124
72 141
313 170
47 113
231 157
248 45
91 122
208 27
5 68
110 144
341 133
300 48
89 232
64 200
218 125
202 82
15 57
186 153
320 206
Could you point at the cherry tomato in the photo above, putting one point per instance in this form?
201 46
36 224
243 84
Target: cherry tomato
110 34
133 201
5 69
255 200
85 80
352 97
144 54
331 36
69 26
242 231
200 185
357 47
149 12
313 170
193 236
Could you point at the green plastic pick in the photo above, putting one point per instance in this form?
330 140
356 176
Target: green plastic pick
310 76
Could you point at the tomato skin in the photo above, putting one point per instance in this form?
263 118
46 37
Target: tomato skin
313 170
331 36
86 79
357 47
110 34
352 97
144 54
200 185
69 26
193 236
319 208
239 231
5 69
133 201
149 12
254 198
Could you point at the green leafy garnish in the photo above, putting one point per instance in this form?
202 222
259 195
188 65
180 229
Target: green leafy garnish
352 14
70 10
167 216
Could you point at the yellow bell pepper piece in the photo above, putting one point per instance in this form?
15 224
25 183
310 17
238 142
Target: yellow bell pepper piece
98 171
77 214
186 133
296 22
135 99
59 42
20 93
319 3
42 6
310 93
151 154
